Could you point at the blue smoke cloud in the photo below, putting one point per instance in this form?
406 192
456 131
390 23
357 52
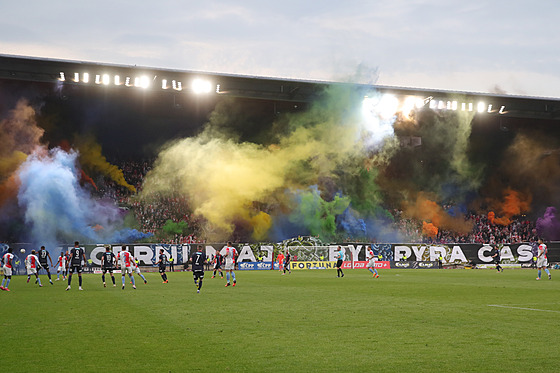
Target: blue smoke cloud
57 209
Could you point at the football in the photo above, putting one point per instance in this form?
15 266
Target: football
22 251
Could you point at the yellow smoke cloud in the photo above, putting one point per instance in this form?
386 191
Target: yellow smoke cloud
223 178
92 159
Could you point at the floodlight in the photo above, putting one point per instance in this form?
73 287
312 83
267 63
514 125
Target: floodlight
433 104
470 106
144 82
454 105
76 77
117 80
137 82
127 81
441 105
217 88
502 110
201 86
106 79
85 78
408 105
463 106
97 79
480 107
164 84
62 77
174 84
490 108
179 86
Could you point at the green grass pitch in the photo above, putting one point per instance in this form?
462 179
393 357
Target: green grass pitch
309 321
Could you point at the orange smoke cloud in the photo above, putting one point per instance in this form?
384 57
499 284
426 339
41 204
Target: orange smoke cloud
9 189
491 217
429 230
431 213
19 136
513 204
86 179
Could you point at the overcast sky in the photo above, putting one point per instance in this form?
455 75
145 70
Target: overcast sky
495 46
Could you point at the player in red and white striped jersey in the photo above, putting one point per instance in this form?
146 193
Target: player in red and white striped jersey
125 261
32 266
7 265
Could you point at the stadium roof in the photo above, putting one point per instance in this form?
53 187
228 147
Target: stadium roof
137 77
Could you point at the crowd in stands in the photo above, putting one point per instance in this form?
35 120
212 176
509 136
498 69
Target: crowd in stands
155 212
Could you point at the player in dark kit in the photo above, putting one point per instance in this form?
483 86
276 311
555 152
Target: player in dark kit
197 260
162 262
43 255
218 259
107 264
496 256
287 259
77 256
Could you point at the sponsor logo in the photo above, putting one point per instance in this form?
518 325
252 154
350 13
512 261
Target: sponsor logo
425 264
402 264
254 265
313 265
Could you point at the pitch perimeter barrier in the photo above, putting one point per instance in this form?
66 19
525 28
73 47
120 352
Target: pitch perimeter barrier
310 256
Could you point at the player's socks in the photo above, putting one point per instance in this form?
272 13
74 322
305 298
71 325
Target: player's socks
133 282
539 273
80 280
143 278
49 274
233 274
113 278
3 282
7 284
69 280
227 277
547 272
39 281
103 278
199 284
123 281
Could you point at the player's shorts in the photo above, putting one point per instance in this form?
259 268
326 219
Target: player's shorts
61 269
198 274
217 266
229 265
137 269
125 270
339 263
31 271
45 266
161 269
108 269
370 264
542 262
75 268
7 271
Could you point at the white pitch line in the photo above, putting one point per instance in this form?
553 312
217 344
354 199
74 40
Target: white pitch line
522 308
